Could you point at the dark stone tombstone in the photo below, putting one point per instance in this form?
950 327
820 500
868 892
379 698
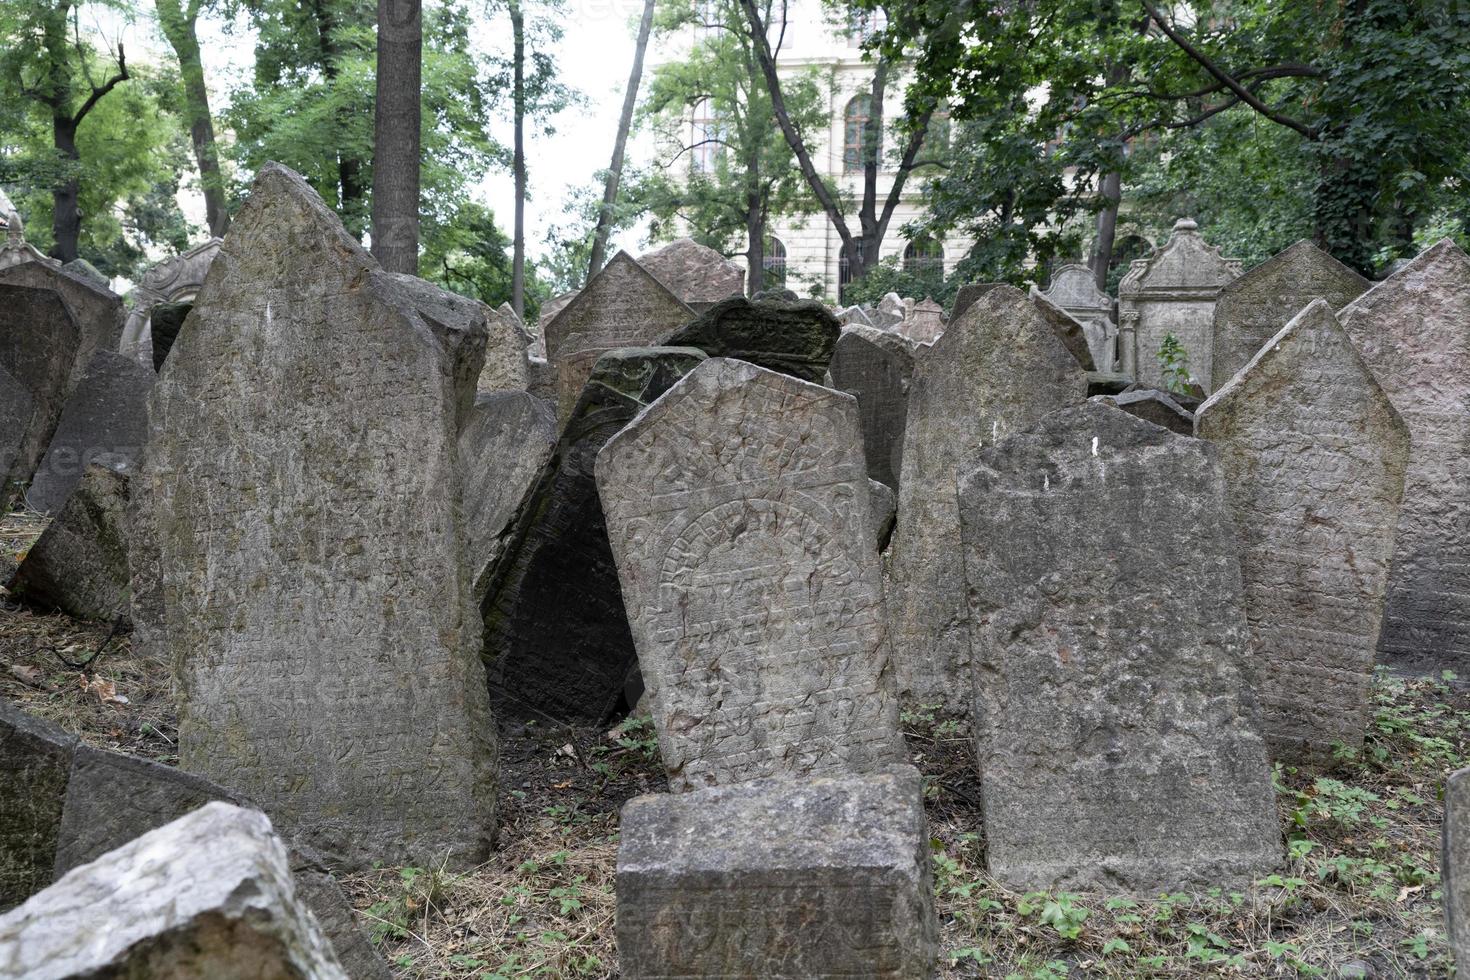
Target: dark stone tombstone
793 338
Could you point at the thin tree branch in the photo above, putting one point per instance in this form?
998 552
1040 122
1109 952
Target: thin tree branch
108 86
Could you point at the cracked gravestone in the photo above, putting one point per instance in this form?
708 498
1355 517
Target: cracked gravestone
875 367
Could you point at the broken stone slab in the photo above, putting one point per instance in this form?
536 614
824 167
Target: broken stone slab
1454 864
793 338
821 877
105 421
39 342
502 451
1112 681
556 630
1254 307
737 507
302 473
854 316
1314 456
209 895
83 269
462 326
1108 383
695 273
35 763
875 367
996 370
1153 406
1071 332
79 565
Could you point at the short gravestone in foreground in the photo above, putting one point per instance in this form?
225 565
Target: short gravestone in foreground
302 468
738 511
1117 734
994 372
1314 459
209 895
824 877
1413 331
874 366
35 762
1454 865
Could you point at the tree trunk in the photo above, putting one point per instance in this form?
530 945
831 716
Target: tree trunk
396 137
755 228
620 144
518 162
1107 228
66 216
179 28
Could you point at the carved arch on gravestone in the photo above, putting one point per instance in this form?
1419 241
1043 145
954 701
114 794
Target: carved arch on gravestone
174 280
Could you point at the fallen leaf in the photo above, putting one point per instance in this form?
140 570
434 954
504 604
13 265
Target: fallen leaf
27 674
1406 891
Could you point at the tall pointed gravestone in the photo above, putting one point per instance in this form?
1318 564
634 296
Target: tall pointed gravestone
1172 291
737 506
1117 733
1254 307
1314 459
302 468
994 372
622 306
1413 331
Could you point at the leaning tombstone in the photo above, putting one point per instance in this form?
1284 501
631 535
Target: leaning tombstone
890 311
1413 332
695 273
1074 288
556 628
96 310
301 468
1314 459
104 422
967 295
35 762
1455 864
995 371
174 280
209 895
825 877
622 306
793 338
875 367
502 451
39 341
1069 330
1173 292
79 565
1254 307
1111 681
737 507
1158 407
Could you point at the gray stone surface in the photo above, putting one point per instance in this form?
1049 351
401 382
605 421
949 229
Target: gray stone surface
1413 331
209 895
1172 291
302 468
556 630
883 506
17 407
793 338
693 272
1068 330
875 367
97 311
105 421
462 326
39 342
1117 733
175 280
35 761
1253 308
967 295
507 361
1314 459
502 451
83 269
541 380
1073 287
145 573
112 799
1155 406
824 877
79 565
737 507
623 306
996 371
924 323
1454 865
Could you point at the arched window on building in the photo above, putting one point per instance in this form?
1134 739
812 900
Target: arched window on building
924 257
858 135
704 136
774 263
844 269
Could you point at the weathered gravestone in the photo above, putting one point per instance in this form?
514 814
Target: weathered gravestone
1413 331
1074 288
301 465
622 306
502 451
793 338
737 506
695 273
1158 407
1068 330
35 760
105 421
1172 291
174 280
1314 459
967 296
1111 682
96 310
164 323
924 323
83 269
209 895
825 877
1254 307
17 408
875 367
462 324
996 371
38 342
79 565
1454 865
556 630
507 364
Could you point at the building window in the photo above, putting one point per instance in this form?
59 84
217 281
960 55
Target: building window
844 268
704 138
924 257
858 135
774 263
863 24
